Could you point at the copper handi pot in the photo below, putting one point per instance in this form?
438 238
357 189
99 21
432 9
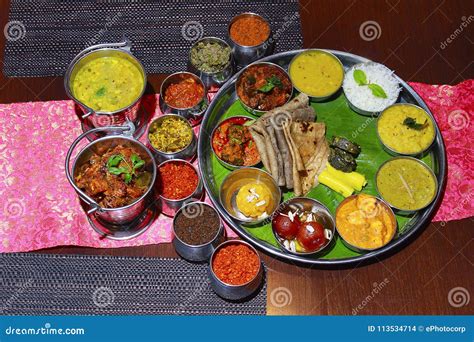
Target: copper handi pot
122 116
122 222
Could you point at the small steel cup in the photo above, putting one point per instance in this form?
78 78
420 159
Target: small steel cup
187 153
235 292
244 54
213 79
193 114
169 206
196 253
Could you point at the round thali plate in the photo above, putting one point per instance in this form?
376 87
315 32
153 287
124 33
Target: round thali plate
339 119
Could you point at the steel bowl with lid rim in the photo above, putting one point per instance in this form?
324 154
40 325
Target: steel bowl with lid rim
114 223
318 209
235 292
358 248
391 150
193 114
402 211
92 118
328 53
246 54
202 252
213 79
170 206
224 163
254 111
187 153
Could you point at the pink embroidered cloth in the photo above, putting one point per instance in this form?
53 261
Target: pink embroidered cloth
39 209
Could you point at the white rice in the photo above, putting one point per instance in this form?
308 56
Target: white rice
362 97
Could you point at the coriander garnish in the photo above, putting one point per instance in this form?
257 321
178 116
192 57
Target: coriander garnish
272 82
411 123
127 171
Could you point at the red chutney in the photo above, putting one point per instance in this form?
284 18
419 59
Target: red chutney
233 143
236 264
177 180
185 94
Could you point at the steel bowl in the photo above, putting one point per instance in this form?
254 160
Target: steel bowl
213 79
187 153
319 210
245 54
222 162
169 206
115 223
193 114
360 249
235 180
91 117
196 253
402 211
353 106
392 151
239 78
235 292
312 97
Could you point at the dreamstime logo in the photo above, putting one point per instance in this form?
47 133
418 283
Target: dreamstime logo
280 297
370 30
458 119
103 296
193 210
192 31
279 119
377 288
465 21
14 30
104 120
458 297
13 208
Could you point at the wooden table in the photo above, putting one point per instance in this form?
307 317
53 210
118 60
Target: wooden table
417 279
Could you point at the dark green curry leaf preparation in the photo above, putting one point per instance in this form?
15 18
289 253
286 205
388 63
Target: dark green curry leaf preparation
361 79
114 179
342 154
411 123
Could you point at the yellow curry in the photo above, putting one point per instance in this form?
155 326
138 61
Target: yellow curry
316 73
406 129
365 222
107 84
406 184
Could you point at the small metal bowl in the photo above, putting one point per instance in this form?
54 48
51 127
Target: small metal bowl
401 211
213 79
319 210
354 107
169 206
247 107
245 54
235 292
224 163
193 114
392 151
235 180
196 253
187 153
357 248
313 97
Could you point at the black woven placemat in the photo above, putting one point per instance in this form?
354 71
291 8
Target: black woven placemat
46 284
44 36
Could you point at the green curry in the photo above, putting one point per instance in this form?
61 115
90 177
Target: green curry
107 84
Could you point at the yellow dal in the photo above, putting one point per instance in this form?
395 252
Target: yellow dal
394 178
316 73
108 83
400 137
